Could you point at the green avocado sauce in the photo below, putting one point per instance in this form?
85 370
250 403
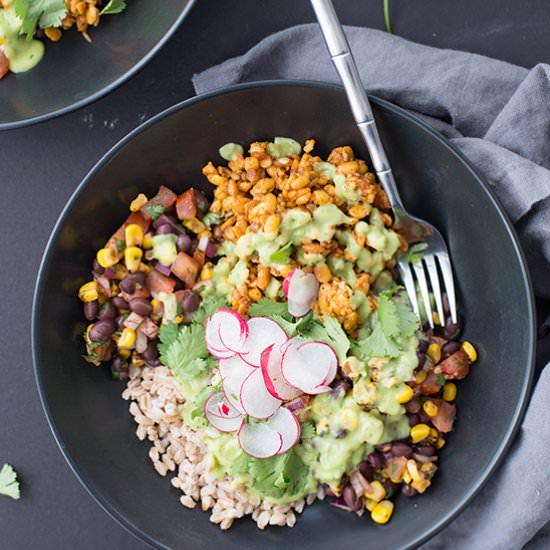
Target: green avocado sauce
230 151
22 54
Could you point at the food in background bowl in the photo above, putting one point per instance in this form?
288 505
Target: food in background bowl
25 23
270 354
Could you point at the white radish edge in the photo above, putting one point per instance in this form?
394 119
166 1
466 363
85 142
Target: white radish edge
234 371
255 399
262 332
259 440
298 309
213 403
222 423
232 330
271 366
286 423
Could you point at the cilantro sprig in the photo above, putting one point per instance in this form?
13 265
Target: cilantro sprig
39 13
9 485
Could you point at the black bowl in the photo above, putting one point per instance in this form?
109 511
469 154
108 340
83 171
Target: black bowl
91 423
74 73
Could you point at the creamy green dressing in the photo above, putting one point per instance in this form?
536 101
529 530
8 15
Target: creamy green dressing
284 147
22 54
342 188
230 151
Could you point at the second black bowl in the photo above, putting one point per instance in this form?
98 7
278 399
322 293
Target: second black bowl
90 420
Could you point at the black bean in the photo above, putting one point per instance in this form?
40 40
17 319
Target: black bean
340 434
445 300
165 229
390 486
210 250
200 201
341 388
97 268
107 311
421 359
425 450
190 302
90 310
183 243
423 346
118 364
350 498
413 420
120 322
452 330
150 355
119 302
413 406
408 491
141 306
128 284
449 348
102 330
376 459
365 470
401 449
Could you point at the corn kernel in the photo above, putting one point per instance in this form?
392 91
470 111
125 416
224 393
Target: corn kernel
147 241
407 478
382 512
430 408
449 391
133 235
138 202
124 353
440 443
272 223
420 377
434 353
88 292
255 294
178 319
132 258
370 504
436 319
405 394
376 491
127 339
419 432
207 271
205 233
106 257
434 434
470 351
194 225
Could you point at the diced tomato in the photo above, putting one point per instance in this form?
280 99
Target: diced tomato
134 218
164 197
181 294
456 366
186 206
395 467
445 417
431 385
149 328
4 64
157 282
186 269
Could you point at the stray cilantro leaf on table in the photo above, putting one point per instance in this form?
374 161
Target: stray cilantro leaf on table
9 485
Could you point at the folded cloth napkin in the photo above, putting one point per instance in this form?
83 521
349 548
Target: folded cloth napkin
498 114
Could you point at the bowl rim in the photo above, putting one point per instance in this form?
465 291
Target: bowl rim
521 405
29 121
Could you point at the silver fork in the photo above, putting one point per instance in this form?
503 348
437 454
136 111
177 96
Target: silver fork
434 251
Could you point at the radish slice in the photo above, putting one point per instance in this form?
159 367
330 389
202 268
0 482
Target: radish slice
285 423
212 338
255 399
232 330
301 289
218 354
221 414
311 367
234 372
271 365
259 440
262 332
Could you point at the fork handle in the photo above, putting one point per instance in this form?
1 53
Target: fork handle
346 67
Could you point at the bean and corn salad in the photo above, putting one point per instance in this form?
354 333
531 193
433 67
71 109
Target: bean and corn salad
280 207
25 23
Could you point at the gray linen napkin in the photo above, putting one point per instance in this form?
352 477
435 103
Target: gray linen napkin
498 114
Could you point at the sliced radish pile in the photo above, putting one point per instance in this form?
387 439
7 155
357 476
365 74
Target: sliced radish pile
271 365
259 440
276 436
262 333
300 289
234 371
255 399
310 367
221 414
225 333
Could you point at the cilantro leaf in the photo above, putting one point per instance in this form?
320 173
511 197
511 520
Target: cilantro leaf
9 486
308 430
114 6
415 253
267 308
120 245
339 340
282 255
208 306
155 211
378 344
441 380
387 315
167 336
211 219
42 13
408 321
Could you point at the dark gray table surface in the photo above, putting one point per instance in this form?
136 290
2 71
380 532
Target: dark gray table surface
40 166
